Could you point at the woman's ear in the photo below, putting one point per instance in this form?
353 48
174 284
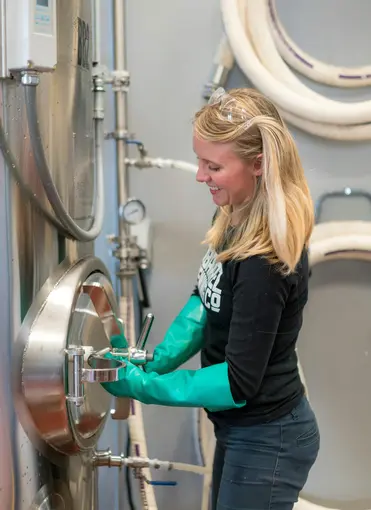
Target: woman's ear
258 168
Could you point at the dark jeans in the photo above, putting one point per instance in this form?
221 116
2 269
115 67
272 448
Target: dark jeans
264 467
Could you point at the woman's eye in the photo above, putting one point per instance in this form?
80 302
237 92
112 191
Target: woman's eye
213 168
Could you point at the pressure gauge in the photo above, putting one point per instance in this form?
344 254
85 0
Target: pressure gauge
133 212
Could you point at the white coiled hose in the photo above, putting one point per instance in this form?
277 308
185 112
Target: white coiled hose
257 41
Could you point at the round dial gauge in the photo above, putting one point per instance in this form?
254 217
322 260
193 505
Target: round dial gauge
133 212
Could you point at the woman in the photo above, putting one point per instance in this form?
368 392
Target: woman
246 311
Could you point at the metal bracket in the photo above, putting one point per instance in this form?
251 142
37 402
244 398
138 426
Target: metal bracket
103 369
120 80
122 134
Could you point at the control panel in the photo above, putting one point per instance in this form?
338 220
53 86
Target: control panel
31 35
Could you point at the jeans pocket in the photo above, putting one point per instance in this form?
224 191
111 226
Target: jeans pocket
308 437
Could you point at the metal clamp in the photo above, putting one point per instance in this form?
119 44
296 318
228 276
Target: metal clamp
103 369
120 80
30 78
129 254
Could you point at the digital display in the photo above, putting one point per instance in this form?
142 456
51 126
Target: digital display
42 3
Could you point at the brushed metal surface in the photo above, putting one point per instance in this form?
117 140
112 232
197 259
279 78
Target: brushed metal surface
26 466
63 314
32 251
65 113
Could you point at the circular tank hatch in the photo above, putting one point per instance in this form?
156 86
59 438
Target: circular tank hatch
76 308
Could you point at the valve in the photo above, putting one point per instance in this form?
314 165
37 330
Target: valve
106 459
138 355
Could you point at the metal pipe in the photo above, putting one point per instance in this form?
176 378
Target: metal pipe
96 30
3 63
121 120
121 128
122 180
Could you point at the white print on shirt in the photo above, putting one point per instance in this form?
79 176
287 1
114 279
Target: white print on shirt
208 280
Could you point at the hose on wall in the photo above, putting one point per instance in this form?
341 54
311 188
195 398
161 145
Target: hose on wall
16 172
47 180
257 41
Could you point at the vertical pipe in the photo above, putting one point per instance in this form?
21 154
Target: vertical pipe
120 107
121 128
3 63
96 31
122 184
126 277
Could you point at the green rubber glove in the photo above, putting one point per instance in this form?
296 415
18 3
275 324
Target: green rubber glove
118 340
183 339
206 387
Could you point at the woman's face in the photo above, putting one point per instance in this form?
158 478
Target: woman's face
231 181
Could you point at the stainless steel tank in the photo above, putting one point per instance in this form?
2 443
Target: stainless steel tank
54 292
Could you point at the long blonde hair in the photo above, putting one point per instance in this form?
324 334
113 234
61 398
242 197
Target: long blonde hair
278 221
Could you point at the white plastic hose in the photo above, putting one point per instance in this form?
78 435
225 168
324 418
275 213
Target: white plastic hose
162 163
347 77
135 420
341 240
251 40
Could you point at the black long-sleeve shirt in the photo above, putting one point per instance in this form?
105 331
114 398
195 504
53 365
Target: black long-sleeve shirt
254 315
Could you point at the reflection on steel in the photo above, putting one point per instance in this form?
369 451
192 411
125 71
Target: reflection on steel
112 324
63 317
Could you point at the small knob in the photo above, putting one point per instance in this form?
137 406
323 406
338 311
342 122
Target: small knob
146 328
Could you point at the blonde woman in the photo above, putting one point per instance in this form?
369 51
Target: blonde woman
246 312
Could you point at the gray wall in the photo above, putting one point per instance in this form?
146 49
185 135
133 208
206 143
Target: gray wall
170 50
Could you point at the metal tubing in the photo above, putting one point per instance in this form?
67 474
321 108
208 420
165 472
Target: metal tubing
96 31
120 106
3 63
121 126
146 329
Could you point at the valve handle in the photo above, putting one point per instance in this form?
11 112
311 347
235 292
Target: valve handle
146 329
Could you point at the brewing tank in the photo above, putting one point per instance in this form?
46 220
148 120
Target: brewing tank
55 294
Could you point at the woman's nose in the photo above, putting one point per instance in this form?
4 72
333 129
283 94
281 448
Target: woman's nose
201 175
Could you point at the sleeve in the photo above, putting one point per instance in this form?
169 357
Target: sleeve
259 296
195 291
